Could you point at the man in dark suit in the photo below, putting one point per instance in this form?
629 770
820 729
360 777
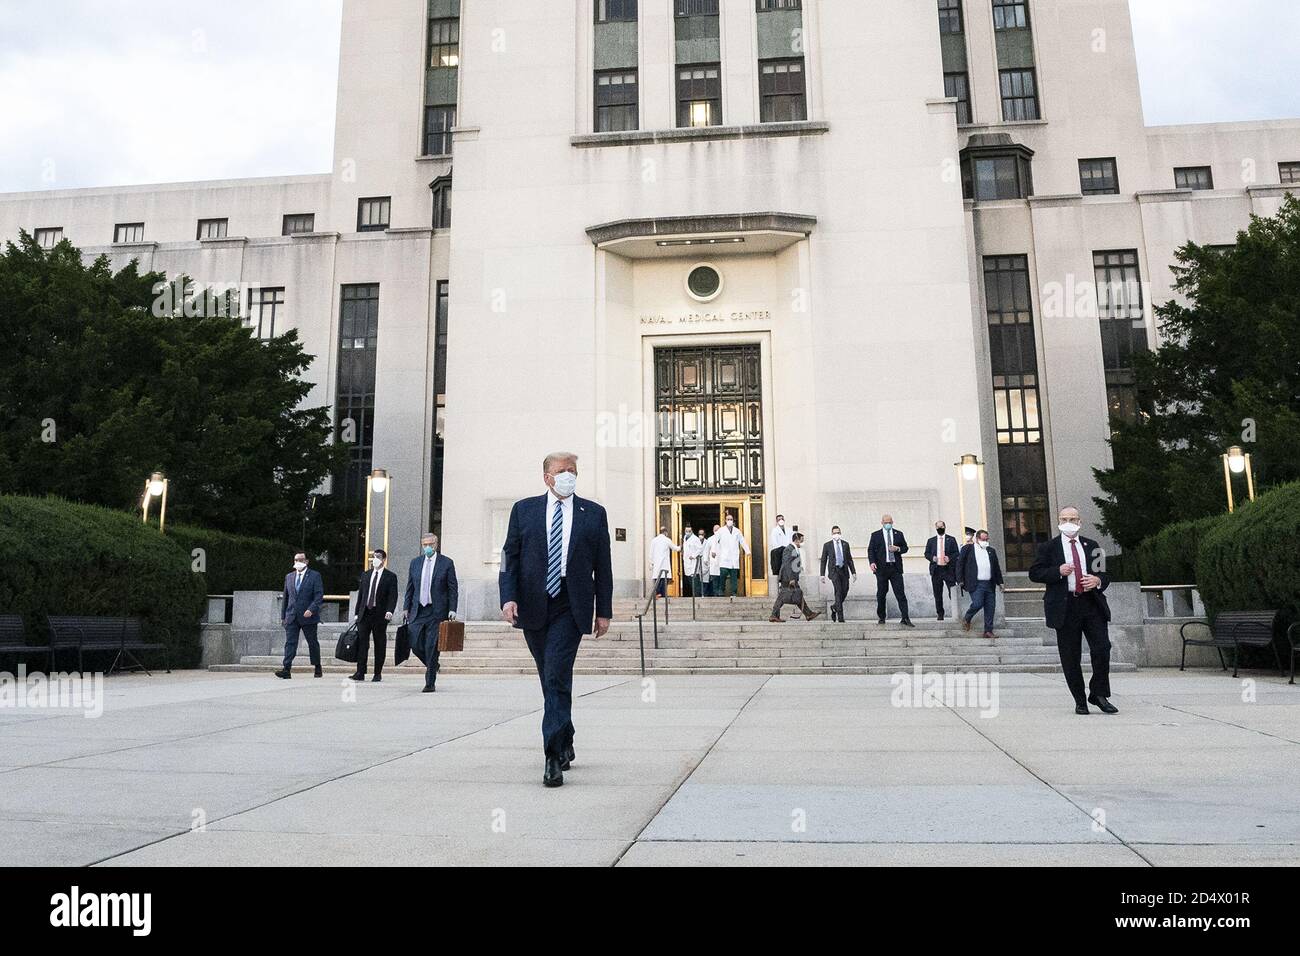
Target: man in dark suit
376 602
556 575
942 552
981 575
837 566
885 554
1075 606
432 596
788 590
303 594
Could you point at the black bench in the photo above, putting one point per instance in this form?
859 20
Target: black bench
13 637
122 635
1235 629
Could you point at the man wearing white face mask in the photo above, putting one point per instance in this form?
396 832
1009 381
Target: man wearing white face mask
1076 608
376 602
729 545
303 594
980 574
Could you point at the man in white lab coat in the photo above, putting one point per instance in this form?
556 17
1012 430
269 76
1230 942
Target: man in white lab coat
692 548
713 563
730 543
777 539
661 561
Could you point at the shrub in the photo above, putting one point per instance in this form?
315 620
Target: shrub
1247 562
58 557
235 562
1169 555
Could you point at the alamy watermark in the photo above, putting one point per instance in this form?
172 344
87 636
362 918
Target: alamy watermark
947 689
84 692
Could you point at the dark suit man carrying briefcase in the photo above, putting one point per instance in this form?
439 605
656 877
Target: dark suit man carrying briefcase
376 602
556 575
432 595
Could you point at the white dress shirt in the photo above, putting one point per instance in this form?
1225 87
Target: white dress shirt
982 563
567 505
426 579
1066 545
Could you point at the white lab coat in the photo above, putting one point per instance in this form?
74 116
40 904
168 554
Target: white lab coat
711 556
778 537
692 548
729 545
661 557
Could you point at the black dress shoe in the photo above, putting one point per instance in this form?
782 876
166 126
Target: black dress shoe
553 777
356 677
1081 710
284 674
880 620
566 761
319 672
906 623
427 690
376 679
1102 704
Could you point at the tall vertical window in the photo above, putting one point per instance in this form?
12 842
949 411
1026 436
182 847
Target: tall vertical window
441 188
615 11
354 410
128 232
1098 177
1010 14
438 121
699 95
48 238
1019 95
296 223
444 43
264 309
1194 177
950 17
1123 327
1289 173
616 101
212 228
373 214
957 85
1013 357
440 402
782 91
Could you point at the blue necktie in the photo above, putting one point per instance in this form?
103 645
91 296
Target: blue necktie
556 544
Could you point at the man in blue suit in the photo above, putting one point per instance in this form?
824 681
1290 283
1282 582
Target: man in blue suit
432 596
556 575
303 593
980 574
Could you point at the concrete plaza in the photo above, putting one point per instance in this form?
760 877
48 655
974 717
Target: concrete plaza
200 768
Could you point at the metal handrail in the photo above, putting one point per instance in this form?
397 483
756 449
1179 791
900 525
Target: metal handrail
1168 587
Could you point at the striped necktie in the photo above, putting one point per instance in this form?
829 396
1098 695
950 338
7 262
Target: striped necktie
556 544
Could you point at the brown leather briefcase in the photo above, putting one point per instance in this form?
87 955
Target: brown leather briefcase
451 636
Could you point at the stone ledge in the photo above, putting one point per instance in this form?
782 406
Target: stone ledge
700 134
702 225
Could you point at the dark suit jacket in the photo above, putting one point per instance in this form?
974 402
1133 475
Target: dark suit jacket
1047 570
948 571
307 598
385 597
876 549
968 569
589 572
443 589
828 557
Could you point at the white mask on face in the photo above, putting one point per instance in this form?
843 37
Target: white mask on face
983 544
376 563
565 483
1069 529
300 565
836 536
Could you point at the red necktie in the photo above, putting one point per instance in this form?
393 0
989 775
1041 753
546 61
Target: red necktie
1078 567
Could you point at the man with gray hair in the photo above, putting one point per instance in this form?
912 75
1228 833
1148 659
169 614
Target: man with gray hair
432 595
556 575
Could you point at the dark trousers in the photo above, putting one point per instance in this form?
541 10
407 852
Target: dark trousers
730 581
985 596
790 594
840 582
661 587
554 649
371 623
890 576
291 632
1083 619
424 634
940 583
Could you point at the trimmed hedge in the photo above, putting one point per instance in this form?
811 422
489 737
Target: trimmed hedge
59 557
235 562
1247 561
1169 556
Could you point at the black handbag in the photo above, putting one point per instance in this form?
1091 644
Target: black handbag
347 646
403 649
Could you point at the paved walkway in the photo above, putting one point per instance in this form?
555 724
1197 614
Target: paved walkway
750 770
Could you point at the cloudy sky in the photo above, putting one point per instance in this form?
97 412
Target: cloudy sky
110 92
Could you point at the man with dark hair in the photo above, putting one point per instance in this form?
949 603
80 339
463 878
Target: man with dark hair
788 590
303 594
981 576
837 568
376 602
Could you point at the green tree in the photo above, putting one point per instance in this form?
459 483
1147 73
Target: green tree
1227 374
102 387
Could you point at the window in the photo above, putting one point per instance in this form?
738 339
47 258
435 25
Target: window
1123 327
264 309
781 89
373 214
1019 95
615 11
299 223
440 399
1098 177
957 85
444 43
212 228
441 202
1193 177
699 94
695 8
950 17
128 232
1010 14
354 411
1289 173
616 101
779 5
438 121
48 238
997 177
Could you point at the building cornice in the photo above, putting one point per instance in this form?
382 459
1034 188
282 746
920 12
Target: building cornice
700 134
730 224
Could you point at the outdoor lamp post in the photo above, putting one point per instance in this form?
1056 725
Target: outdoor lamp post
1235 463
155 486
969 469
378 482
